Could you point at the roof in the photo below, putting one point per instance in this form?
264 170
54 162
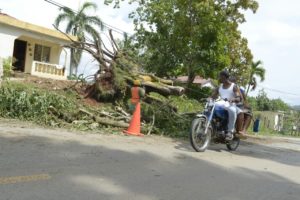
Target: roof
198 80
4 14
13 22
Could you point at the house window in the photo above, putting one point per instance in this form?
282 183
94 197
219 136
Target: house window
41 53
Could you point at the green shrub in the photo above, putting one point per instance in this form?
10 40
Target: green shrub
27 103
7 67
168 122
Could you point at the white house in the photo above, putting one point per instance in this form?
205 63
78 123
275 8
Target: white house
35 50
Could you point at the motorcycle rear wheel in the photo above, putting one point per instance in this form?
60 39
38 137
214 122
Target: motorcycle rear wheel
233 144
198 139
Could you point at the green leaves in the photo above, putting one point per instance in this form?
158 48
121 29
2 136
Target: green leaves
191 37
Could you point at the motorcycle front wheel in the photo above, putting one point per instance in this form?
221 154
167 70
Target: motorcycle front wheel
198 139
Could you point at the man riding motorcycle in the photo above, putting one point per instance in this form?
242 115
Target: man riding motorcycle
230 95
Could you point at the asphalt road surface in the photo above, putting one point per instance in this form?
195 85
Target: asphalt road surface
44 164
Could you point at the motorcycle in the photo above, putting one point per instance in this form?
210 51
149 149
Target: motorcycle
211 125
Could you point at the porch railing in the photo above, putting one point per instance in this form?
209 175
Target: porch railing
48 70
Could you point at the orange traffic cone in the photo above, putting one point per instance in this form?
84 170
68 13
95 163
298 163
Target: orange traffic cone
135 124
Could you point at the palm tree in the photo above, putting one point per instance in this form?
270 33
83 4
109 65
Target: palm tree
81 25
256 71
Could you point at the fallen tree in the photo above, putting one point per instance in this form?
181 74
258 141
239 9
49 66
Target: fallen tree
112 82
117 71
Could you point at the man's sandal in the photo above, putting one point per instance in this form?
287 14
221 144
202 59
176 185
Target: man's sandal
242 136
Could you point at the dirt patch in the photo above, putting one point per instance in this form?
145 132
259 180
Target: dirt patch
49 84
57 85
44 83
91 102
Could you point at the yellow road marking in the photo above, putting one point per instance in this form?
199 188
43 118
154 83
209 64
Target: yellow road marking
21 179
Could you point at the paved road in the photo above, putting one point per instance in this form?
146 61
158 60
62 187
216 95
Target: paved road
42 164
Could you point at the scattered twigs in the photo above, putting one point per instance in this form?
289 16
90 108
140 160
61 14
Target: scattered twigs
105 121
60 115
152 125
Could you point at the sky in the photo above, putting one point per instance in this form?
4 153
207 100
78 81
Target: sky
273 34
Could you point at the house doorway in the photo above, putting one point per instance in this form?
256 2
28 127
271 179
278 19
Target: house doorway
19 54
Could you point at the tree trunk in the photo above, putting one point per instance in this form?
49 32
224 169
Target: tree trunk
72 62
162 89
165 90
191 76
157 79
249 84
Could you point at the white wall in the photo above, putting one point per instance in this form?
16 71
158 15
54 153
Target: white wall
6 47
6 44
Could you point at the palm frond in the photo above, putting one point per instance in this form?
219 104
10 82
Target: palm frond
60 18
66 15
95 20
67 11
90 30
256 70
70 27
260 72
87 5
256 64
